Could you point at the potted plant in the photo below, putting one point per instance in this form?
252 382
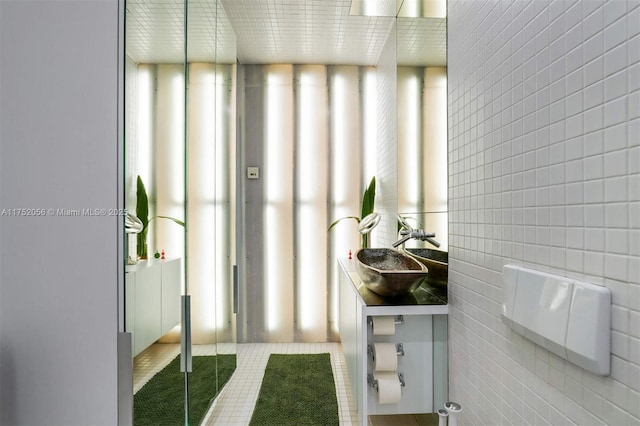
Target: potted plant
368 201
142 211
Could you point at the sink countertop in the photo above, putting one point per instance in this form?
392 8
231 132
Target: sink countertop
148 263
424 298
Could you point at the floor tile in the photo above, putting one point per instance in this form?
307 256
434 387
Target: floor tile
235 403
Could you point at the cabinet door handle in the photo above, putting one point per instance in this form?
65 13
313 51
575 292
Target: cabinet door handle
185 336
235 289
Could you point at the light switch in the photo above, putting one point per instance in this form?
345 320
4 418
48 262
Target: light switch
253 172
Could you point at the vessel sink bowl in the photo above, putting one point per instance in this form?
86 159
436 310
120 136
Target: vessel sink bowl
388 272
436 261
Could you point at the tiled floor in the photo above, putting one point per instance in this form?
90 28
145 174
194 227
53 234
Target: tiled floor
234 405
158 355
150 361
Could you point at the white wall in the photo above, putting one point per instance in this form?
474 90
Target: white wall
544 171
58 274
387 160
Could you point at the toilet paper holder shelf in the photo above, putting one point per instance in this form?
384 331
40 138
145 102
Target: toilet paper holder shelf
373 382
397 320
399 350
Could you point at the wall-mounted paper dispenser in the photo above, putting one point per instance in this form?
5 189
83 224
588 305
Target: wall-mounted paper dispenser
569 318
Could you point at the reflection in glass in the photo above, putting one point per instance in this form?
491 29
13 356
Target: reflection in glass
399 8
422 9
210 182
422 118
176 105
180 138
154 151
375 7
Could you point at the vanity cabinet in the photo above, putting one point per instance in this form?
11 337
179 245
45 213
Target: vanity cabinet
422 330
152 300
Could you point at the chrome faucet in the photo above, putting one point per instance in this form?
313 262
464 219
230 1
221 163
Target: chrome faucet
417 234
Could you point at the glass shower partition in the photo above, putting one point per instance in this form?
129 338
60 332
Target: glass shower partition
210 186
180 181
154 92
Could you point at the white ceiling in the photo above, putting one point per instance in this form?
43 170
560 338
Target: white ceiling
421 41
275 31
305 31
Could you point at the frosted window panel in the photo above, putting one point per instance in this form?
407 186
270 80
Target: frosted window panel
434 130
201 211
165 187
410 146
278 199
311 201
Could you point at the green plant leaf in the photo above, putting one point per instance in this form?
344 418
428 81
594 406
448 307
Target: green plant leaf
368 202
178 221
369 198
364 240
142 203
142 212
357 219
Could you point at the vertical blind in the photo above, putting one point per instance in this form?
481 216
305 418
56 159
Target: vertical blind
312 130
195 176
309 123
422 149
210 183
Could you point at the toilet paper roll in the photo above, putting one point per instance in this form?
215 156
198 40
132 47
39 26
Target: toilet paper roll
384 326
389 388
385 357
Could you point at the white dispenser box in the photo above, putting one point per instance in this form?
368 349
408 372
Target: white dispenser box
570 318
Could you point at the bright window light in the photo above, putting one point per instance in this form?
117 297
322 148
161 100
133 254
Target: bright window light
409 140
203 268
435 138
145 101
370 120
311 201
278 190
339 136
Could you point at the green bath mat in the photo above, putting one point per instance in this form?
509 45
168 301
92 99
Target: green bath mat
161 400
297 390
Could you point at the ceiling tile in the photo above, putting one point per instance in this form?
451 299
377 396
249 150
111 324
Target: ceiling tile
275 31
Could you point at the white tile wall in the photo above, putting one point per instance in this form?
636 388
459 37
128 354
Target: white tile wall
544 171
387 180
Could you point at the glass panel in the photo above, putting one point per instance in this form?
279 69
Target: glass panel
226 78
210 187
154 194
422 118
180 133
375 7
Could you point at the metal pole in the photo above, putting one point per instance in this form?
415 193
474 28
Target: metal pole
185 352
